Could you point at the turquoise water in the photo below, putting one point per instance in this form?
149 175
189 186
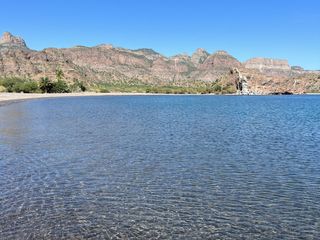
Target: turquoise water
159 167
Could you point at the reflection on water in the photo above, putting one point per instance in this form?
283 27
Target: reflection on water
180 167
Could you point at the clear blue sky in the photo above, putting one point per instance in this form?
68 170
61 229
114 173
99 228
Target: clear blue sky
288 29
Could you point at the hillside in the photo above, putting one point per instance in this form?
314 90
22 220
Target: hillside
113 65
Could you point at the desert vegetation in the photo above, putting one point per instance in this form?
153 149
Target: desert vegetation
208 88
45 85
60 85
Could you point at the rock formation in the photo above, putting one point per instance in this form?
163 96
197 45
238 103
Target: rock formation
241 82
269 66
220 60
109 64
297 68
10 40
199 56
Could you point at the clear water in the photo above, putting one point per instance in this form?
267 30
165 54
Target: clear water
161 167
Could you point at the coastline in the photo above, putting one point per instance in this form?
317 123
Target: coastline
8 98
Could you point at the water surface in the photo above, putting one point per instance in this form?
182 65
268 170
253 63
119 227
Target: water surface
159 167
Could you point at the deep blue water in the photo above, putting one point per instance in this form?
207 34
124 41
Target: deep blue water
149 167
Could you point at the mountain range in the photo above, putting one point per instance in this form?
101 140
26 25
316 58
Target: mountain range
108 64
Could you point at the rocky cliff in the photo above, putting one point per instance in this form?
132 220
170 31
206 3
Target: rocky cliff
106 63
267 64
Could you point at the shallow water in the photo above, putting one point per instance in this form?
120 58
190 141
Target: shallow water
149 167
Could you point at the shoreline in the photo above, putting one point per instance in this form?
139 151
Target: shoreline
8 98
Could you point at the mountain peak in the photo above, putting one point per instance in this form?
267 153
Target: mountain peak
199 56
200 50
9 39
220 60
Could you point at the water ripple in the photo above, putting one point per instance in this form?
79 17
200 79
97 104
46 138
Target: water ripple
162 167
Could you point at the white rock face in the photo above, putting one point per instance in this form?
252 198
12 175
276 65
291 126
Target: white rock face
267 64
241 83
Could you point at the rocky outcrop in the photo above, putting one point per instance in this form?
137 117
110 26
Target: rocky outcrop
297 68
10 40
215 66
148 53
220 60
241 82
199 56
106 63
267 64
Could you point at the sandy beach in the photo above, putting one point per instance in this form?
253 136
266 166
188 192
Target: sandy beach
7 98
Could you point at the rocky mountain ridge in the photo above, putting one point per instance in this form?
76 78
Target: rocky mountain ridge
109 64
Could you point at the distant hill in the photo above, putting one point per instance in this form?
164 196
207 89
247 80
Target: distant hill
108 64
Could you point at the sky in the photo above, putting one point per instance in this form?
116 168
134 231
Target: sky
285 29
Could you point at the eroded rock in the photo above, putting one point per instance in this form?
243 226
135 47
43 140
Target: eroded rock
8 39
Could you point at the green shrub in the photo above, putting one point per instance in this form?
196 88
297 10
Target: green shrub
19 85
78 86
31 87
3 89
59 75
46 85
104 90
26 87
60 87
9 83
228 90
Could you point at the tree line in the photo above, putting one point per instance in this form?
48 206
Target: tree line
45 85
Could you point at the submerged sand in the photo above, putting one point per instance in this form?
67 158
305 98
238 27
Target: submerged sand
6 98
